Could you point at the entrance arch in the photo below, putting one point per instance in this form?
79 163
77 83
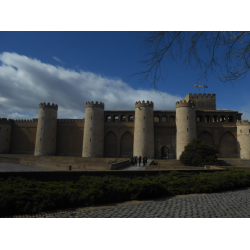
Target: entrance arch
228 146
164 152
110 145
207 138
126 145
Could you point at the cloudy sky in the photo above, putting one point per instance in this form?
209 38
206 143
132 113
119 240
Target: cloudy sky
71 68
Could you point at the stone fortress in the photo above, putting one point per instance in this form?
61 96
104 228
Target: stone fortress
125 133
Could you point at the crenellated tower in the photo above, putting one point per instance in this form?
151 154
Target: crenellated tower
93 136
243 139
46 129
144 129
185 125
5 135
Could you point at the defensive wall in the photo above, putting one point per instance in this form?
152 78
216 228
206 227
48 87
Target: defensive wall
114 131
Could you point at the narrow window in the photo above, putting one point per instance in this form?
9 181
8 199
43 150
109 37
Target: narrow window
91 117
40 139
187 117
249 130
187 129
90 139
41 129
144 117
241 131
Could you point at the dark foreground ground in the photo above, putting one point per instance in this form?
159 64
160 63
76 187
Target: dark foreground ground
230 204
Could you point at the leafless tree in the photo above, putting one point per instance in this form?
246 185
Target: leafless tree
227 52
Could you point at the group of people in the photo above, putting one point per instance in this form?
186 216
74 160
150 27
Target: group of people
134 160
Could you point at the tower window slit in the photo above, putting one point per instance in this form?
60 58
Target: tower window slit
90 139
187 117
241 131
187 129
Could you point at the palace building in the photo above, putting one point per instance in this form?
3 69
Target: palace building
126 133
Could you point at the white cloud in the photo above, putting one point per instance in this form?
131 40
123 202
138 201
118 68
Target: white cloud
57 59
26 82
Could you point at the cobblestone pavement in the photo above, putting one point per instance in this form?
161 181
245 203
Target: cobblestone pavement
231 204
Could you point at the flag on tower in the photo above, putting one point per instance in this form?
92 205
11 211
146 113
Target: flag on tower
200 86
195 86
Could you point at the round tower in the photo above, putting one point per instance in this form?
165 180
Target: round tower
144 129
46 129
243 139
93 136
185 125
5 135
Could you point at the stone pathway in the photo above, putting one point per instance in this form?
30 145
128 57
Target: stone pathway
231 204
13 167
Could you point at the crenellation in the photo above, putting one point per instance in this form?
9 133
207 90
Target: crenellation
144 104
242 123
48 106
96 105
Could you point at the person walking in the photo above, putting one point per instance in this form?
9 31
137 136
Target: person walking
144 161
139 160
133 161
136 161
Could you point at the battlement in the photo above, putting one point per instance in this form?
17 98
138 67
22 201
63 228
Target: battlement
94 105
5 121
202 101
201 96
185 103
70 120
24 121
243 123
144 104
48 106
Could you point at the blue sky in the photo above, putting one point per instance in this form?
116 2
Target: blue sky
70 68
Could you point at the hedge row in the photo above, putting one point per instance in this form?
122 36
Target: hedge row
20 196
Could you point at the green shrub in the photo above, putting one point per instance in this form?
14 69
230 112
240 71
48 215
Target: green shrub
20 196
197 153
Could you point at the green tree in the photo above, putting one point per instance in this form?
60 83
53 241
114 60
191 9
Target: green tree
197 153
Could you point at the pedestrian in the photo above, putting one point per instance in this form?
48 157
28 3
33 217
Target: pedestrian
146 158
133 161
144 161
136 160
139 160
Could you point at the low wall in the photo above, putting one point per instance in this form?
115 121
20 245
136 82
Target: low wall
62 163
235 162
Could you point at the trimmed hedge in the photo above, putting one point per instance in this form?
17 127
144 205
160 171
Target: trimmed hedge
20 196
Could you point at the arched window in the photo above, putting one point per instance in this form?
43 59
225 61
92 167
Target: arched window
171 118
164 119
222 118
199 118
207 118
123 119
215 118
108 118
116 118
156 119
131 118
230 118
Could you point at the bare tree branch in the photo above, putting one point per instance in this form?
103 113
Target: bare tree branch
228 51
